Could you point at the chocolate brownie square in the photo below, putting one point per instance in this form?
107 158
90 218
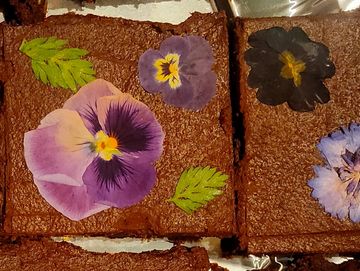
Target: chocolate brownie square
281 216
192 138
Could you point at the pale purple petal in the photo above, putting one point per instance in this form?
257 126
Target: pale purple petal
175 45
180 96
73 202
332 147
353 137
133 124
330 192
200 59
354 211
120 182
59 150
147 71
84 101
205 88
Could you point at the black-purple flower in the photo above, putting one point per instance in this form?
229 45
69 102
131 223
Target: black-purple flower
337 185
181 71
287 66
97 152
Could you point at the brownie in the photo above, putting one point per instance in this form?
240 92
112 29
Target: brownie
201 138
50 255
25 12
280 214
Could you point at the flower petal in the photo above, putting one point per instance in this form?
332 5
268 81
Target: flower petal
274 91
59 149
200 58
180 96
332 147
204 89
147 71
133 124
175 45
275 38
73 202
353 136
354 213
331 192
120 182
84 102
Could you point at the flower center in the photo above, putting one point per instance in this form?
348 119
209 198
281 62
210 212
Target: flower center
167 70
350 172
292 67
106 146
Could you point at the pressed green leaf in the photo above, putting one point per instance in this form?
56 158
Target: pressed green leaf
58 66
197 186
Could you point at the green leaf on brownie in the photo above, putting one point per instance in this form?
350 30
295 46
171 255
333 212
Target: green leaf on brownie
197 186
58 66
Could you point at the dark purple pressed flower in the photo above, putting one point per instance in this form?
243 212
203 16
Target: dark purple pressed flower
337 185
96 152
287 66
181 71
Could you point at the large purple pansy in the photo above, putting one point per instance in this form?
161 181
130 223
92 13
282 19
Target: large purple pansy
181 71
337 185
97 152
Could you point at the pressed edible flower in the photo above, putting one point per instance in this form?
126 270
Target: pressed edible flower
337 185
288 67
181 71
96 152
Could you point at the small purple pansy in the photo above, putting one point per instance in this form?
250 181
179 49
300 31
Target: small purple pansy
97 152
337 185
181 71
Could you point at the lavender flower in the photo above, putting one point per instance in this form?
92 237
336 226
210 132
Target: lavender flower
96 152
337 185
180 71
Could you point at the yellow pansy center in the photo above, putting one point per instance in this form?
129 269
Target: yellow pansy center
167 70
106 146
292 67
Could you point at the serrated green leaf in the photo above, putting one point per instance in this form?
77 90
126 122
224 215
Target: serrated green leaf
58 66
197 186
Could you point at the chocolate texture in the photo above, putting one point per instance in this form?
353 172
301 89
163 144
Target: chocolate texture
49 255
202 138
25 12
280 146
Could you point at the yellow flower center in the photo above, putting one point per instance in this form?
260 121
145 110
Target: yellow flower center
167 70
292 67
106 146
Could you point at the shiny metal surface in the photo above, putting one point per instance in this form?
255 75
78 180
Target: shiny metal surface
275 8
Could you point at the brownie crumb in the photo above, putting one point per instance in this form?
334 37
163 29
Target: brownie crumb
25 12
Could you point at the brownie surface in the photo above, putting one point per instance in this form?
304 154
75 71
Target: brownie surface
191 138
49 255
280 146
24 12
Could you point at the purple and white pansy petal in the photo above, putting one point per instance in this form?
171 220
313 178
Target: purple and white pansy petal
337 185
73 202
85 101
59 150
174 71
120 182
133 125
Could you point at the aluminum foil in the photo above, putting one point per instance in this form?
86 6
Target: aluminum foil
276 8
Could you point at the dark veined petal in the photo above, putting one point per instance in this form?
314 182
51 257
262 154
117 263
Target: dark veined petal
59 149
200 58
147 71
84 102
274 38
310 91
180 96
297 35
204 89
175 45
133 125
274 91
120 182
72 201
